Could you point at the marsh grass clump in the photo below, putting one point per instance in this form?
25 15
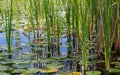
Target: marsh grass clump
79 34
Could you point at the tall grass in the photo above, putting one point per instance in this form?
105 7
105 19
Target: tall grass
46 10
84 10
108 32
32 10
77 21
107 27
73 23
58 26
9 26
68 23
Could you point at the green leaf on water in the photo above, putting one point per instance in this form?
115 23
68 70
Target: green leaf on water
19 70
92 56
54 65
21 61
4 73
114 70
6 62
93 73
3 68
45 60
97 61
20 66
117 66
115 63
34 61
27 56
32 70
118 58
58 57
81 63
26 74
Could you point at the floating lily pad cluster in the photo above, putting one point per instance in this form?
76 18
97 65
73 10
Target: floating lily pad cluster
116 68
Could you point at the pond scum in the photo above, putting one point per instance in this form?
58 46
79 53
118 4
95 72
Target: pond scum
61 37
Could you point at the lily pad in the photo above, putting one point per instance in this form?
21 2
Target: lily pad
44 60
21 66
74 56
3 73
58 57
117 66
118 58
93 73
6 62
32 70
54 65
21 61
114 70
26 74
19 70
97 61
53 70
27 56
81 63
34 61
3 68
92 56
115 63
75 73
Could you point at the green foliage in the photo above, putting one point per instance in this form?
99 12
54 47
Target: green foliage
80 21
93 73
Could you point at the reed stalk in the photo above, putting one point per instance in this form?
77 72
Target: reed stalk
107 34
84 10
46 10
58 26
68 23
32 10
73 24
9 27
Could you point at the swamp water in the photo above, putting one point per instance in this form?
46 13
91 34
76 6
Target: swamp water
28 58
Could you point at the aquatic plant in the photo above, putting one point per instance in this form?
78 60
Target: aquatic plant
9 26
90 28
